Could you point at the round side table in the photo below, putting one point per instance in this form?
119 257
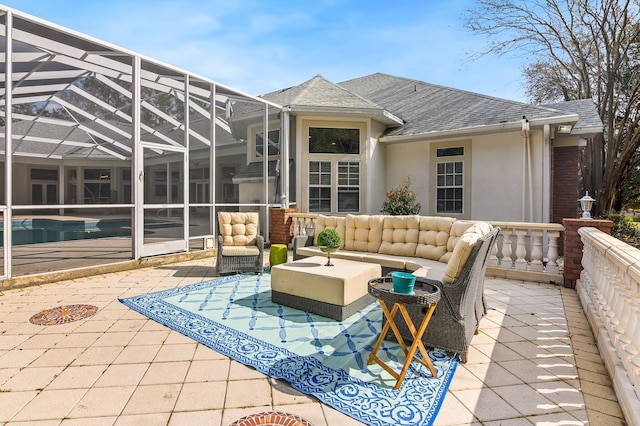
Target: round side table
427 295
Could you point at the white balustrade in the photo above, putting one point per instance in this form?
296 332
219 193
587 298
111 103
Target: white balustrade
529 249
609 289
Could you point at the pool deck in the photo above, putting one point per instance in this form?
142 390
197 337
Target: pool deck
534 362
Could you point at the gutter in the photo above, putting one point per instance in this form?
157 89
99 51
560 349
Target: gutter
488 128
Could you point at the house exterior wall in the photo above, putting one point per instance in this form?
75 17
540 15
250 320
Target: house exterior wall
376 168
498 175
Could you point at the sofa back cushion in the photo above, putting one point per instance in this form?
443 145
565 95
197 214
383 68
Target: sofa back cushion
333 222
363 232
463 246
433 236
400 235
238 228
457 229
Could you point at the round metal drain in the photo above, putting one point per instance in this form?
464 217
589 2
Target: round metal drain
63 314
271 418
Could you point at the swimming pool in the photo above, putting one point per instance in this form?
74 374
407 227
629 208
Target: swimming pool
34 231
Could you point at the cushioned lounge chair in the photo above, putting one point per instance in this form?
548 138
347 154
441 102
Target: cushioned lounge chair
457 315
240 246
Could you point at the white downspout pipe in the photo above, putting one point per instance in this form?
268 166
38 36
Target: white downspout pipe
525 155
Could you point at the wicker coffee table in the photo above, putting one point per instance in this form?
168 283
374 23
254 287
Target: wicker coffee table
427 295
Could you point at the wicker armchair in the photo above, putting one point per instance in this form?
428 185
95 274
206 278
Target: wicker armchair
457 315
240 246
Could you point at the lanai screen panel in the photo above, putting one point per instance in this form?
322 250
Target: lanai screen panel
72 96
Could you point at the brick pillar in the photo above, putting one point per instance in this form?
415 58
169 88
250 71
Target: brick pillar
573 246
280 223
564 178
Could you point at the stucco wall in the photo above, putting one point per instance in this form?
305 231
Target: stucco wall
498 174
376 171
409 159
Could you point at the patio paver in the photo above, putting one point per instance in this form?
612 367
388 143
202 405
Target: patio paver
534 362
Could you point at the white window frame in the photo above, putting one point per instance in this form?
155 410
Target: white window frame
320 184
254 131
465 160
349 186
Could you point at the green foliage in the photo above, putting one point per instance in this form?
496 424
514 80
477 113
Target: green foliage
329 237
401 200
626 229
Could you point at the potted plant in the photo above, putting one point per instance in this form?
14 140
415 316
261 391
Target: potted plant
329 242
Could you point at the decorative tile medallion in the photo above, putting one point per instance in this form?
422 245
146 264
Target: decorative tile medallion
63 314
271 418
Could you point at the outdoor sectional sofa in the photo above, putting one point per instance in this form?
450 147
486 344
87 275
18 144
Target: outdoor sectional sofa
443 251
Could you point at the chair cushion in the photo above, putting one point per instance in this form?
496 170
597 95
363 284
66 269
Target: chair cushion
238 228
363 232
461 252
400 235
240 250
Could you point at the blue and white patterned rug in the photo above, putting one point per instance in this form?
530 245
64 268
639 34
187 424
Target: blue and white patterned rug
318 356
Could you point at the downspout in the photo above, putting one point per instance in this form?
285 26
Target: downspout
525 154
546 176
529 172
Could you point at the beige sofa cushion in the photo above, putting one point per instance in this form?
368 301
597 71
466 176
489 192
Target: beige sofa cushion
333 222
238 228
462 250
457 229
400 235
363 232
433 237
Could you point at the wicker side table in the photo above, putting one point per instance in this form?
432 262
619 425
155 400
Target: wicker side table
428 295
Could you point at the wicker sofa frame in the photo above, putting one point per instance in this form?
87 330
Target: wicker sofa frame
457 315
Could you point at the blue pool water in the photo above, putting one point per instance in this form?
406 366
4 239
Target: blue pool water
33 231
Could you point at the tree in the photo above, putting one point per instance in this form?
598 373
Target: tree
579 49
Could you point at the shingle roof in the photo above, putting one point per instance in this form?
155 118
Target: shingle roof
586 109
425 107
319 92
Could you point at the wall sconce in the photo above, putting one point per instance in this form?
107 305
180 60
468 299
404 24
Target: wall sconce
586 203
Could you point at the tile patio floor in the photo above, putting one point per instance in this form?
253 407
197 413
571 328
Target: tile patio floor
534 362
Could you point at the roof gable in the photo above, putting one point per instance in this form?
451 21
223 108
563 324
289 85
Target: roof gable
319 92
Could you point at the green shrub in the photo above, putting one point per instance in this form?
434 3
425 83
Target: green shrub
626 229
401 200
329 237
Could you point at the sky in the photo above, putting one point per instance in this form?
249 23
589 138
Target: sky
259 46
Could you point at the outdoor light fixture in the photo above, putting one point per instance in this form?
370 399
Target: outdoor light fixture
564 128
586 203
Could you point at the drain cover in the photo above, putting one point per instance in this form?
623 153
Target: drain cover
63 314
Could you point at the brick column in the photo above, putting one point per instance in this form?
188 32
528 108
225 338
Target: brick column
280 223
573 246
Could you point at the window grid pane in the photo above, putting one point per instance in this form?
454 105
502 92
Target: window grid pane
449 187
320 186
348 186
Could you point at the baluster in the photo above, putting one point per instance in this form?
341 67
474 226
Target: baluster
552 253
506 261
536 250
521 249
493 257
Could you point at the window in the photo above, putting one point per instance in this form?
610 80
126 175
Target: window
348 186
450 187
334 141
273 143
320 186
450 180
97 186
